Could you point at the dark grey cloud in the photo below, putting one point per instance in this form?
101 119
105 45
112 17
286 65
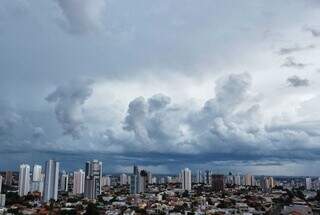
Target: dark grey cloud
158 102
291 62
135 120
38 132
18 131
82 16
296 81
296 48
68 100
315 32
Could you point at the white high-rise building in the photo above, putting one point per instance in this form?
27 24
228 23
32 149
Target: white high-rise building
308 183
24 179
51 181
78 182
2 200
64 181
199 177
37 179
123 179
1 179
237 179
186 179
253 181
149 177
37 186
267 184
154 180
36 174
106 181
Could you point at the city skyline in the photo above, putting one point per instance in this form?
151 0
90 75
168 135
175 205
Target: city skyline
141 190
173 84
39 169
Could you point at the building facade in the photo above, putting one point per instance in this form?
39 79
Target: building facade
51 181
186 179
24 179
217 182
93 175
78 182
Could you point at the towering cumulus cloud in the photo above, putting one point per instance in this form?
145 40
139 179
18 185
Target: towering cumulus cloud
136 118
153 121
82 16
68 100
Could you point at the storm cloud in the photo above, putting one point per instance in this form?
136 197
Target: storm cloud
291 62
82 16
296 81
315 32
296 48
68 100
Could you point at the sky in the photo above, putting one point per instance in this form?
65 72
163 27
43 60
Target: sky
222 85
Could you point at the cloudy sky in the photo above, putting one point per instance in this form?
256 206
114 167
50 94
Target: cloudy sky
223 85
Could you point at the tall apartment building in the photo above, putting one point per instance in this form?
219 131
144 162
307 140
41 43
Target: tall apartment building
51 181
24 179
93 175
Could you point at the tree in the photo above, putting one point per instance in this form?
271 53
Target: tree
92 209
51 206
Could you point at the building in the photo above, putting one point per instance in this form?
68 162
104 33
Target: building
253 181
64 181
8 178
134 180
135 170
123 179
51 181
308 183
106 181
37 173
37 186
70 182
93 175
149 177
199 177
2 200
143 181
154 180
162 180
267 184
249 180
217 182
24 180
207 177
237 179
1 179
37 179
134 184
229 179
78 182
186 179
296 209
